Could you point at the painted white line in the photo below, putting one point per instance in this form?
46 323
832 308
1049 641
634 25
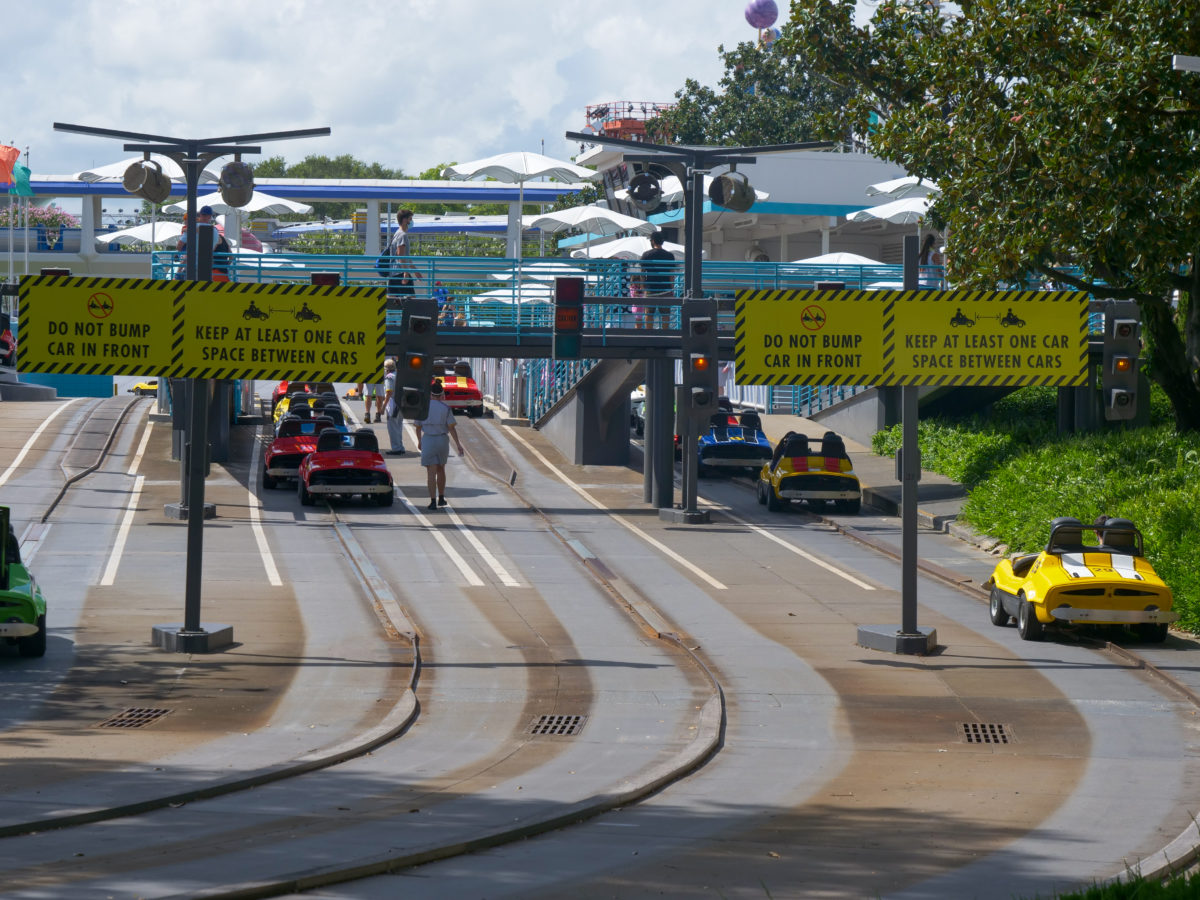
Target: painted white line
816 560
467 572
260 536
32 538
114 557
658 545
494 564
32 439
137 457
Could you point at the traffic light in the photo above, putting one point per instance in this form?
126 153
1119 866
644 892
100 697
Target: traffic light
698 351
1122 344
414 367
568 318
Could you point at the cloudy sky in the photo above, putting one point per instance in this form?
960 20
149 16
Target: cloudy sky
402 83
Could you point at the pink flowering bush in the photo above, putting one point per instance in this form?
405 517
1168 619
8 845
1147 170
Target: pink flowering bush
50 216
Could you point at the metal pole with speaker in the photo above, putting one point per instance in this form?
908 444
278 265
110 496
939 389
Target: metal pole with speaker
145 179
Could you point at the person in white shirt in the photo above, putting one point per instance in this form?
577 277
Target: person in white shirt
433 440
395 422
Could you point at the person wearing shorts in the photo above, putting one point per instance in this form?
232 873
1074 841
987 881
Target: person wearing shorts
372 395
433 440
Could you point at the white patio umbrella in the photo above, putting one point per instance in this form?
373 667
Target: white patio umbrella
907 211
840 258
116 171
149 233
259 202
544 271
591 219
899 188
625 248
528 293
517 168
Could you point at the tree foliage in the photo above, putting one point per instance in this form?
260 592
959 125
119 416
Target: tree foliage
764 97
1059 134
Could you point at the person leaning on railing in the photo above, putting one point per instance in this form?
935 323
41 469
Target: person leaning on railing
658 278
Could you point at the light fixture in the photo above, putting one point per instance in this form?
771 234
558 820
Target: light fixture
145 179
645 191
732 191
236 183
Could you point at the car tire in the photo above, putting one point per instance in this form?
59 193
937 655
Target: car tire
35 645
703 471
386 499
1028 624
269 481
848 507
996 609
1151 632
306 499
474 412
774 504
762 494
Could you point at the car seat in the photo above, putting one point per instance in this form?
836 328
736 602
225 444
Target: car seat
329 439
1066 535
832 446
291 426
299 411
320 423
750 420
365 440
1119 535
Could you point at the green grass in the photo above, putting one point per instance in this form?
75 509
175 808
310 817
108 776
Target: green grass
1184 887
1021 474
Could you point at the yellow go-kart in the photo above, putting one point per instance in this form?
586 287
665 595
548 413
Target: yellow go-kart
817 472
1107 581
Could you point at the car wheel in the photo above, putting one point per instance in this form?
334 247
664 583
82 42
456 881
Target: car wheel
386 499
269 481
774 504
1151 632
762 494
306 499
996 609
474 412
849 507
1028 625
703 471
35 644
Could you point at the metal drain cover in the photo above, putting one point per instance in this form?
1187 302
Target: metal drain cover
986 733
560 725
134 717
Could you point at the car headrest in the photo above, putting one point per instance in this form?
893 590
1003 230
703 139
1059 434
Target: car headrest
797 445
832 445
329 439
751 420
718 419
365 439
321 422
299 411
291 426
1066 533
334 414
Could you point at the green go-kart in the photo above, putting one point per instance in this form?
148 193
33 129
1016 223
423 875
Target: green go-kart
22 606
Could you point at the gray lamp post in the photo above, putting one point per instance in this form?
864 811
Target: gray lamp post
192 154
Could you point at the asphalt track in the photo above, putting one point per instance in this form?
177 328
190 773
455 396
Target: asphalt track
375 713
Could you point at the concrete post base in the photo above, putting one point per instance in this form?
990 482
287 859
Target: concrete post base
683 517
889 638
180 510
174 639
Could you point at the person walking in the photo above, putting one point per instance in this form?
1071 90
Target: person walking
372 395
391 405
403 273
433 440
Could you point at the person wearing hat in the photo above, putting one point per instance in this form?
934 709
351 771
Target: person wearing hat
395 423
433 440
220 268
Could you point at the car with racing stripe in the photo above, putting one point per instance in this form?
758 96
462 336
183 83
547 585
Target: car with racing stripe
1096 574
810 470
295 439
459 390
343 465
730 446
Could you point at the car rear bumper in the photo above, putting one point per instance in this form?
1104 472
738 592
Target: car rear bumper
350 489
17 629
1114 616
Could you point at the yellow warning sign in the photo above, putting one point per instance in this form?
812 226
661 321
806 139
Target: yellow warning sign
817 337
990 338
197 329
920 337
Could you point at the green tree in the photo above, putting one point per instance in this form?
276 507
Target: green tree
764 97
1059 134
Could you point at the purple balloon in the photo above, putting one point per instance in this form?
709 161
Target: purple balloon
761 13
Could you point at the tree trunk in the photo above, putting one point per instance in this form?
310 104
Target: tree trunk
1174 355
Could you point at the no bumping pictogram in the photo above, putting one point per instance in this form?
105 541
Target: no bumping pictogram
813 318
100 305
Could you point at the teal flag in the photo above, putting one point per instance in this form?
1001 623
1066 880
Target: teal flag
20 181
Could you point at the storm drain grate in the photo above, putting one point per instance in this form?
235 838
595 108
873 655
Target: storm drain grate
134 717
559 725
986 733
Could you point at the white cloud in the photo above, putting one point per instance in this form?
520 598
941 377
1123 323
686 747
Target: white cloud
405 84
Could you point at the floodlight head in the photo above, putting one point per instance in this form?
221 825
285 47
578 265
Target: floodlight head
145 179
645 191
732 191
236 183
